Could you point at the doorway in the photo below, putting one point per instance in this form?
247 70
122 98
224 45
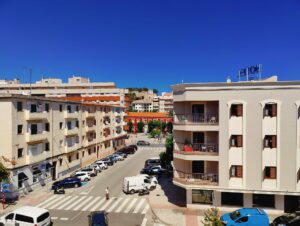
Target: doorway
291 203
198 137
198 166
198 112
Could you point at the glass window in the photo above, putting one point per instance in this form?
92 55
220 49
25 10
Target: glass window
23 218
20 129
9 216
60 107
43 217
19 106
20 152
202 196
47 107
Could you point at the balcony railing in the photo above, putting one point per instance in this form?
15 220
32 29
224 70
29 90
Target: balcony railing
196 178
197 149
71 131
30 138
36 115
70 114
196 119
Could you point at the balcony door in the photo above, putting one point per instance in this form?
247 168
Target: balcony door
198 138
198 166
198 112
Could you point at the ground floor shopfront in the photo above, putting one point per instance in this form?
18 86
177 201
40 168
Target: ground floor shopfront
280 202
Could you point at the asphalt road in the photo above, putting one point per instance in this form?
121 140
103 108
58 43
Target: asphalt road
74 207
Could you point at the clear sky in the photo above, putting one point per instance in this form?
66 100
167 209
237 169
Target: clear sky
149 43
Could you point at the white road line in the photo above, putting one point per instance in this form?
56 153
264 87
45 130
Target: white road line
144 222
107 204
54 218
98 204
67 203
51 202
138 206
116 202
47 200
91 203
64 218
83 203
130 205
122 205
146 209
75 203
62 200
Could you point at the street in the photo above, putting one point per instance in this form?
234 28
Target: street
74 207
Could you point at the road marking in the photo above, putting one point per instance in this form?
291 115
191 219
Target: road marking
83 203
146 209
91 203
117 200
98 204
64 219
88 191
138 206
75 203
54 218
47 200
122 205
144 222
64 199
130 205
67 203
107 203
51 202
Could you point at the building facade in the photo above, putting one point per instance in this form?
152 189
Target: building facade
142 105
237 144
43 139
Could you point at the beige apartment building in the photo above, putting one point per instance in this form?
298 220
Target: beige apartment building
238 143
163 103
42 139
77 86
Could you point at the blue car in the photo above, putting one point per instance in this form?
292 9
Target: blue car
69 182
246 216
98 218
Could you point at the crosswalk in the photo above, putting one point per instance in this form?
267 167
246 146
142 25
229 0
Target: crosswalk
96 203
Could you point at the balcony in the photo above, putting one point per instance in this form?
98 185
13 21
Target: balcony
90 114
207 119
33 138
68 114
74 147
197 149
71 131
211 179
89 128
36 115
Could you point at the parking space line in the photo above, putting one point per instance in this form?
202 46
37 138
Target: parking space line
116 202
146 209
138 206
75 203
46 201
83 203
91 203
67 203
130 205
98 204
122 205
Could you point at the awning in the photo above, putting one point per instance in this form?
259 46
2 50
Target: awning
22 176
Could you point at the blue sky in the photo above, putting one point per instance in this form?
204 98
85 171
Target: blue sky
149 43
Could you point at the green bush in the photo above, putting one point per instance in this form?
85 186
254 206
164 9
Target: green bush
140 127
4 173
212 217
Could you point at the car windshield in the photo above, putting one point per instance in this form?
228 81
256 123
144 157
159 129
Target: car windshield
234 215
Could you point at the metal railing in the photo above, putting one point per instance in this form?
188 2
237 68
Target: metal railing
196 118
197 148
196 178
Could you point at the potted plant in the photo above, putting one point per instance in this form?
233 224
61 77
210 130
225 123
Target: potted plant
187 146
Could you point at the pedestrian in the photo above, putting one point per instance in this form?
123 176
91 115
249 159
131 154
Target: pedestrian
107 193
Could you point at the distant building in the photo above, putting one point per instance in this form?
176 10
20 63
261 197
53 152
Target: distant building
142 105
163 103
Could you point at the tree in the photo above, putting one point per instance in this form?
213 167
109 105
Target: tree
170 127
169 148
150 126
163 159
140 127
130 126
4 173
170 113
163 125
155 91
212 217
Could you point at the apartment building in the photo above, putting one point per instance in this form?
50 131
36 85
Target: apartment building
142 105
42 139
77 86
238 143
163 103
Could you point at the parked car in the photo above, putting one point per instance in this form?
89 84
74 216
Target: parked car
152 161
152 170
27 216
90 170
112 158
69 182
83 176
98 218
133 146
136 183
289 219
10 197
108 161
124 155
128 150
101 164
118 157
246 216
96 167
142 143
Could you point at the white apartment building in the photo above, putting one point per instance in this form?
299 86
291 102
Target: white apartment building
42 139
238 144
76 87
142 105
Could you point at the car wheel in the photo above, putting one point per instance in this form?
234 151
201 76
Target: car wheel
86 180
1 224
76 186
132 191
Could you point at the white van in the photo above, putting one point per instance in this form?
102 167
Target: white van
27 216
152 179
136 183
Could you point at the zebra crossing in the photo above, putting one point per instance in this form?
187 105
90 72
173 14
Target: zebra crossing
96 203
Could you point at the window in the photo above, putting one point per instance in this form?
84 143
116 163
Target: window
43 217
70 158
61 143
94 149
33 129
270 110
202 196
270 172
60 162
47 127
20 152
89 151
77 108
19 106
77 123
47 107
236 171
33 108
23 218
47 146
232 199
9 216
77 155
270 141
236 141
83 154
236 110
60 125
262 200
69 108
60 107
20 129
69 125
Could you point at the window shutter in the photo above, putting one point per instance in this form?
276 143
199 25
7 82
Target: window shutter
240 110
239 141
264 173
273 172
239 171
274 143
274 110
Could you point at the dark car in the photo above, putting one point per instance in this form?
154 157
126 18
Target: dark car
142 143
10 197
108 161
112 158
128 150
98 218
155 161
289 219
133 146
152 170
69 182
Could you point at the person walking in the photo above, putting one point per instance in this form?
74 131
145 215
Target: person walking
107 193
